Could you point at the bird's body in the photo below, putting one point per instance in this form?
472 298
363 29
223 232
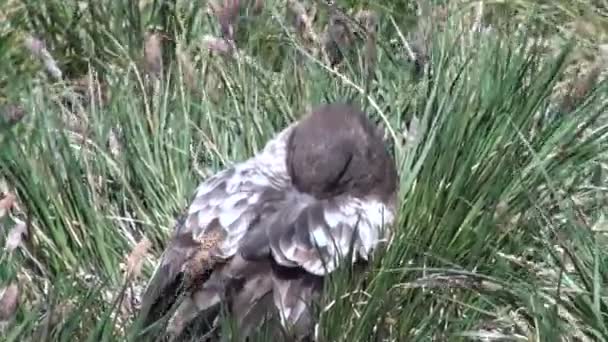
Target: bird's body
259 237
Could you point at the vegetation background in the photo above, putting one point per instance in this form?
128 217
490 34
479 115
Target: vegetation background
112 111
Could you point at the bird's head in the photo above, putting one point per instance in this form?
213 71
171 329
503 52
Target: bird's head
335 149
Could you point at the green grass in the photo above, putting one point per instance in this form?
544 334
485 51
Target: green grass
502 222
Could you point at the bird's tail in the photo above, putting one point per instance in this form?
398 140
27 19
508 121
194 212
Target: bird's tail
165 284
251 290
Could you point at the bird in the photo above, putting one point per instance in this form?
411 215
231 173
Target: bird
260 237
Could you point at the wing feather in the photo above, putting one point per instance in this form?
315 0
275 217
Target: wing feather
229 201
236 195
233 199
317 234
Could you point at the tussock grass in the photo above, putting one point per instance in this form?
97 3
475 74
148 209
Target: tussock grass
501 147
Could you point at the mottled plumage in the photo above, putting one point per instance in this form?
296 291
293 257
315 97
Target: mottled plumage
261 235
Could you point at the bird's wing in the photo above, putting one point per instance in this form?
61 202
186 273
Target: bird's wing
221 212
317 234
225 204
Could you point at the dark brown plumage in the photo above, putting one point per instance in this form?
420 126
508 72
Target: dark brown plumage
338 150
259 237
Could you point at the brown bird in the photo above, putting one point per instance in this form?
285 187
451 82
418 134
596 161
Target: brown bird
259 237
